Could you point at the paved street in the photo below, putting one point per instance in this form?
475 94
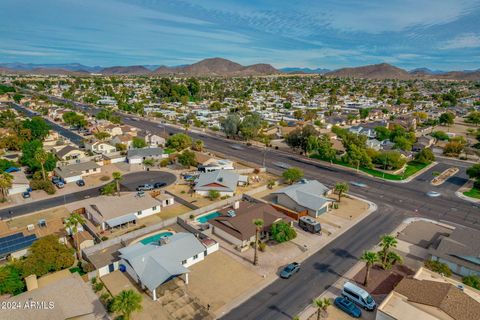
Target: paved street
283 299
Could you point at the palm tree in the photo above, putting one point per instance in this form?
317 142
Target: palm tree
5 184
258 227
72 223
41 156
387 242
322 306
117 176
370 258
127 302
392 259
341 188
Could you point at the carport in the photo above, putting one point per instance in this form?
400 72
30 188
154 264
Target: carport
120 221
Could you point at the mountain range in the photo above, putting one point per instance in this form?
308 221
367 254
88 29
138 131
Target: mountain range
224 67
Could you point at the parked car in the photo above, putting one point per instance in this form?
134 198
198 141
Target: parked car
56 179
282 165
60 184
348 307
80 183
145 187
159 185
289 270
26 195
358 296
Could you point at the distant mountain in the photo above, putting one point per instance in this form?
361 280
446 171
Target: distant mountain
375 71
119 70
218 67
66 66
304 70
423 71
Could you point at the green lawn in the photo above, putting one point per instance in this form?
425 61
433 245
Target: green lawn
473 193
412 168
77 269
168 150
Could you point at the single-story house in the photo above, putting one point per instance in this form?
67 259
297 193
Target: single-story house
459 250
165 199
124 139
100 147
20 182
70 153
112 211
153 140
64 296
223 181
309 195
153 264
236 224
76 171
217 165
137 156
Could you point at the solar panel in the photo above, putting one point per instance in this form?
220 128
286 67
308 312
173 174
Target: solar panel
11 237
16 243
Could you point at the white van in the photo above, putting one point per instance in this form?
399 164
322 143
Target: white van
358 296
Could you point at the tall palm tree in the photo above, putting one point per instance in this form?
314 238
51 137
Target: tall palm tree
341 188
41 156
127 302
72 223
322 306
370 258
387 242
258 227
392 259
117 176
5 184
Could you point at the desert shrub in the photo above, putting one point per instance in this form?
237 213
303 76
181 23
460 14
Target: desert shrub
439 267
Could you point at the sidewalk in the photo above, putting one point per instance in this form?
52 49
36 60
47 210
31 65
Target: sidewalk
272 276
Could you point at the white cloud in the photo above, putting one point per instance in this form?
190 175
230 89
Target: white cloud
466 40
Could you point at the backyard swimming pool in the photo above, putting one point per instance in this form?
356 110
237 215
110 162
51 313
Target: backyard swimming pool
156 237
205 218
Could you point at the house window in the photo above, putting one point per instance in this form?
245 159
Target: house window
86 171
154 208
184 261
139 213
195 257
205 253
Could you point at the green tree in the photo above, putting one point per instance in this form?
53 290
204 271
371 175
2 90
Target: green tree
11 280
325 148
341 188
213 195
187 158
403 143
370 258
292 175
17 97
472 281
45 255
198 145
364 113
41 157
322 307
382 133
474 173
389 160
425 156
258 223
120 147
298 138
440 135
474 117
72 223
101 135
282 232
126 303
179 141
29 149
250 126
387 242
109 189
446 118
138 143
231 125
117 177
6 181
39 129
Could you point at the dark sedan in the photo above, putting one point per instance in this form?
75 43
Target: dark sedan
159 185
348 306
289 270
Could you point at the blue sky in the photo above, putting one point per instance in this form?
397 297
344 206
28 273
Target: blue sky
439 34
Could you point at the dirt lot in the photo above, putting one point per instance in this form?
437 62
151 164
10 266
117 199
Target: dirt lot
211 280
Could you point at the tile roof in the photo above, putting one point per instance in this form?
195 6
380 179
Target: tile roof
444 296
308 194
220 180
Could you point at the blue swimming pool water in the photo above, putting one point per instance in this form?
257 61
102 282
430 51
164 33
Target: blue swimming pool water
156 237
205 218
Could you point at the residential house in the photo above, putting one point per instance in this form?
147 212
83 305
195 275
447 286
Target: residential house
368 132
307 195
236 224
51 139
82 240
153 264
407 122
20 182
459 250
223 181
70 153
111 212
64 296
165 199
217 165
153 140
77 171
137 156
100 147
422 143
430 296
124 139
15 245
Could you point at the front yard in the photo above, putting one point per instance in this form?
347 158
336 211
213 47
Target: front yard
473 193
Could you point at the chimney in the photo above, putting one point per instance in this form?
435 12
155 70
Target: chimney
236 205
